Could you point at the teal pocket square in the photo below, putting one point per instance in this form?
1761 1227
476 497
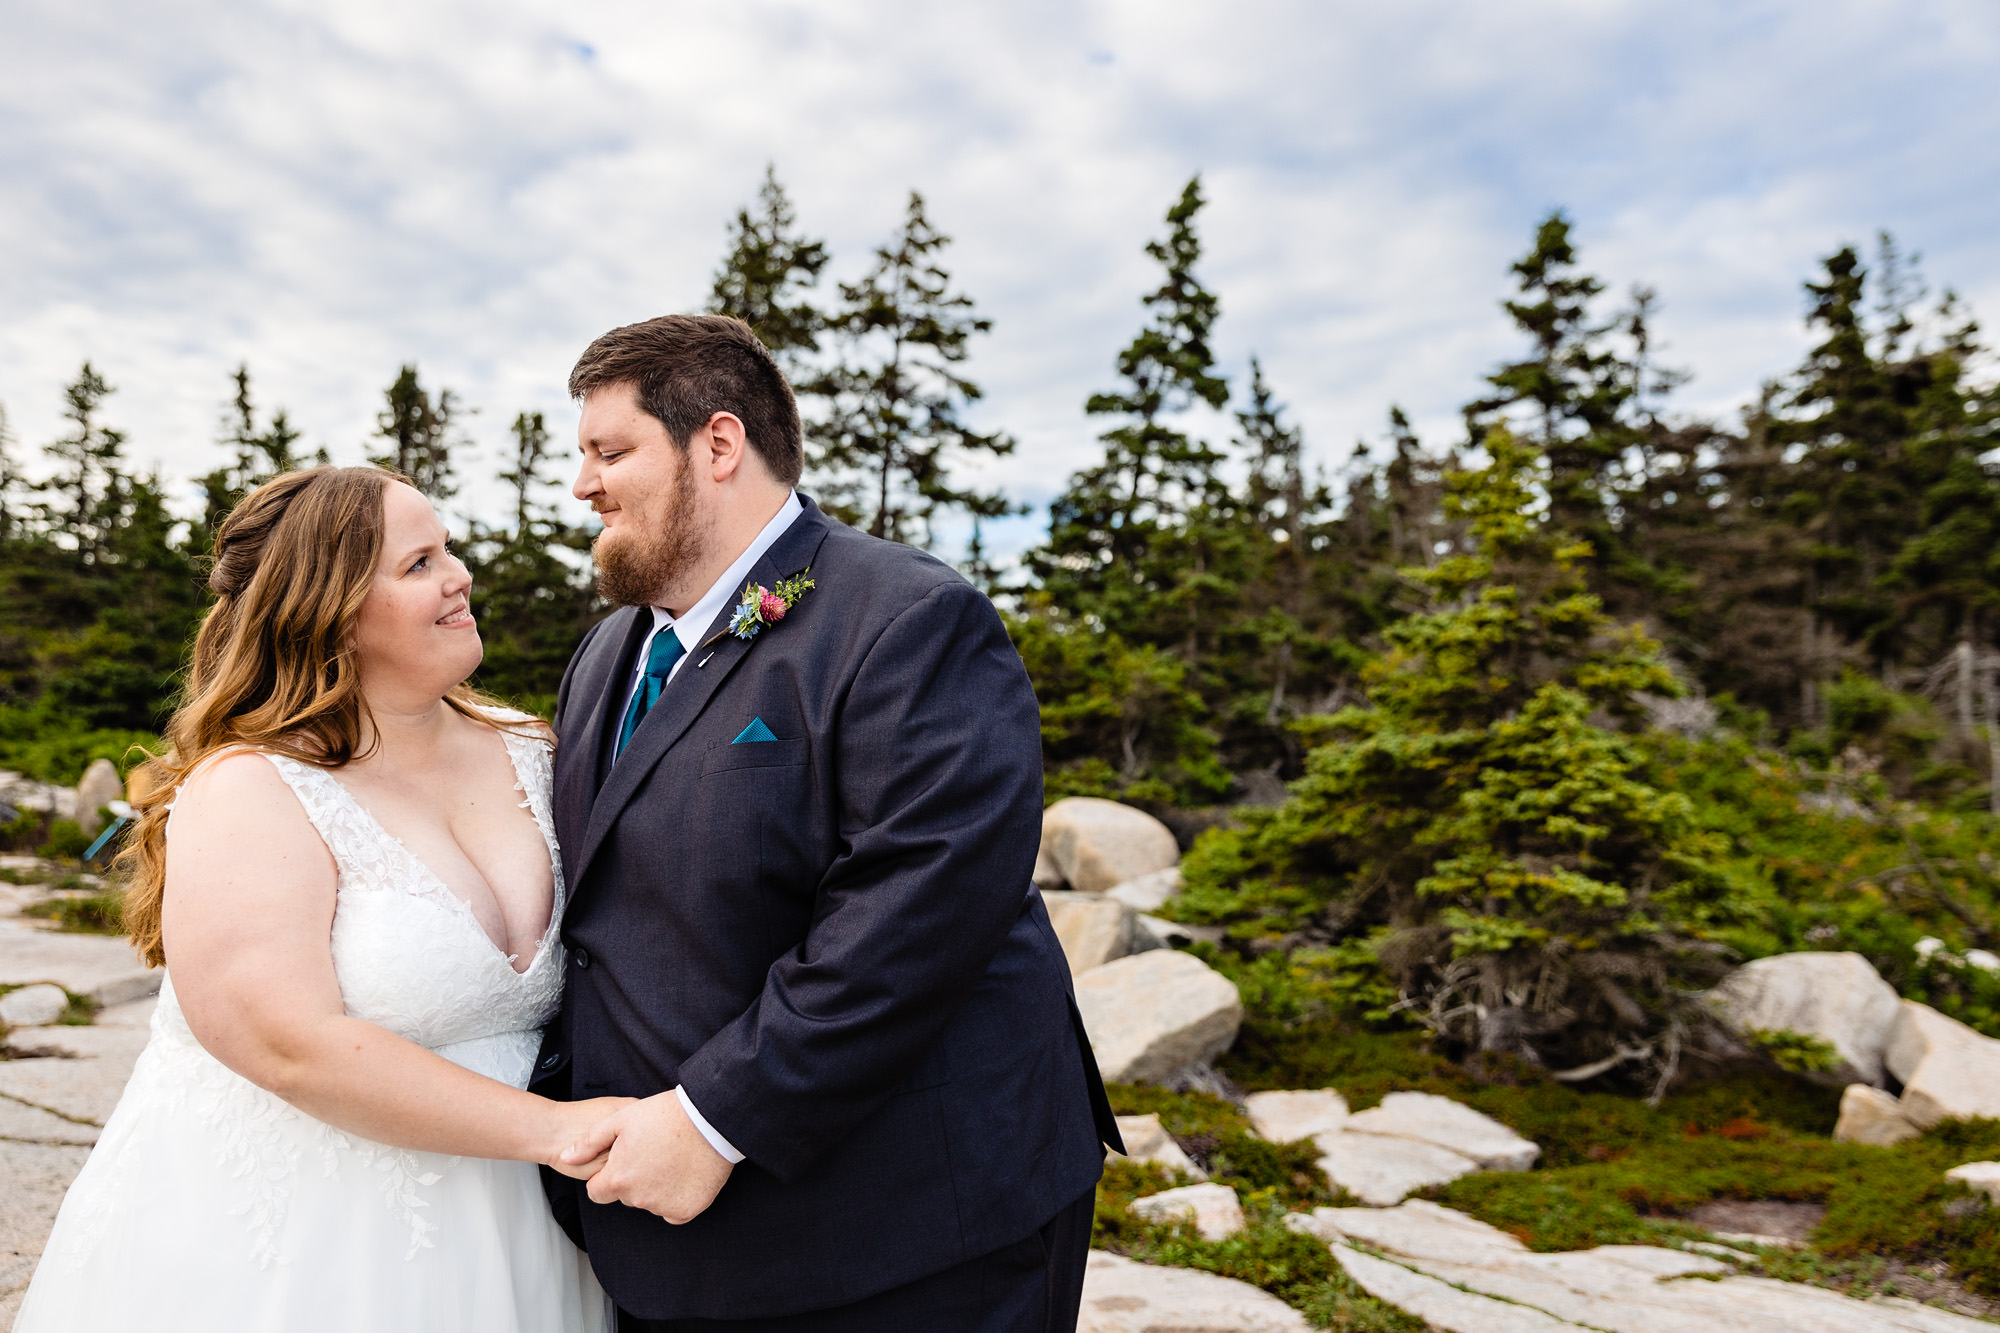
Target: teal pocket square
756 731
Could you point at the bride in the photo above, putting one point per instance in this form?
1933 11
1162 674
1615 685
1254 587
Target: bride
356 891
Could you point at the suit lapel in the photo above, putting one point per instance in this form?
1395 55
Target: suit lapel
582 757
688 693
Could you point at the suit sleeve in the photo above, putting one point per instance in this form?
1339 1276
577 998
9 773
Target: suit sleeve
938 751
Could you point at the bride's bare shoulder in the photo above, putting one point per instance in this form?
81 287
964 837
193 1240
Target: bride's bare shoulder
238 788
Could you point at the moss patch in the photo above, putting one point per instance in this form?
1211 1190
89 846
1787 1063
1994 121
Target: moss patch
91 914
1298 1270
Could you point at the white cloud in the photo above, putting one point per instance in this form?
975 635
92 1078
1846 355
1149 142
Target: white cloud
329 191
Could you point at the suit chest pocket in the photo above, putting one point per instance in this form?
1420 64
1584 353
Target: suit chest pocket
756 754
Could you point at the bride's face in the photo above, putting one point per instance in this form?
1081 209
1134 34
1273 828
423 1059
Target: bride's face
416 628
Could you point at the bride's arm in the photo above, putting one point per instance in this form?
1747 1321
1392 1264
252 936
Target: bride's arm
248 919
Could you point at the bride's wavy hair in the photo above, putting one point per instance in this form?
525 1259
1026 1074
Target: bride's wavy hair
274 663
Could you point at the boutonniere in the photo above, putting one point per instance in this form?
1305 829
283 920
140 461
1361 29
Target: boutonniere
763 606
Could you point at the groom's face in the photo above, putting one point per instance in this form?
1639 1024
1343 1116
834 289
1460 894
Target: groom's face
648 494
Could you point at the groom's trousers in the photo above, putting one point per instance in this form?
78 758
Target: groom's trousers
1032 1286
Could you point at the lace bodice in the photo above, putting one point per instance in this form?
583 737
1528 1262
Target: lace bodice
411 957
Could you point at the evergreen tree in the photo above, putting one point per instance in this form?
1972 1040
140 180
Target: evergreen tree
531 586
1572 393
88 461
899 395
257 456
1476 831
1108 531
1275 452
421 432
765 279
531 450
10 481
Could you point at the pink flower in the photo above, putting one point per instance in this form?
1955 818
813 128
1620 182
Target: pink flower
771 607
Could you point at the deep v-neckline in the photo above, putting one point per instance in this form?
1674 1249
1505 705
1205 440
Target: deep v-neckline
443 890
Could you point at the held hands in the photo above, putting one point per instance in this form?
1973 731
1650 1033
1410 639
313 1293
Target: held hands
572 1119
649 1155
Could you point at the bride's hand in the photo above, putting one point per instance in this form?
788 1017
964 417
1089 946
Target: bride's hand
569 1122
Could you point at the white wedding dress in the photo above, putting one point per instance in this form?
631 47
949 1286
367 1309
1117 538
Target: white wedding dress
210 1204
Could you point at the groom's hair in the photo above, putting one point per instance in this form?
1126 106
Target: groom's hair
686 368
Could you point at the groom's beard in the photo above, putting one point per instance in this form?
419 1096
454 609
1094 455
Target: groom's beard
636 563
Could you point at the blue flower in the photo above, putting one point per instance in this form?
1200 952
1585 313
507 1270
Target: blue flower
746 622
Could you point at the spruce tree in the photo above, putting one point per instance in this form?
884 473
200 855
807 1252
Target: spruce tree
88 460
767 275
421 432
10 481
257 456
1574 389
899 395
531 587
1110 550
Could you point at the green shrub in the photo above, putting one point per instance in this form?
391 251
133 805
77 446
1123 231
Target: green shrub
1798 1052
98 914
67 841
49 746
1502 858
1881 1202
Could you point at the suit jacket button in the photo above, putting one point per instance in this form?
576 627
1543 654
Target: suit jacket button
581 959
551 1061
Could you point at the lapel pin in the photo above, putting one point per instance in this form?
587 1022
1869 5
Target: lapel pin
704 662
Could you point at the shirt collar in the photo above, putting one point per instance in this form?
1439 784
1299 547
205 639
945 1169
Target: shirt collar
690 626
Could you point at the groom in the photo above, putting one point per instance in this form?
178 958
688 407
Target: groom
798 826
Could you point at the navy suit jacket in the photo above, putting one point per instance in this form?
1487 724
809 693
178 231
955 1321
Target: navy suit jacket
830 939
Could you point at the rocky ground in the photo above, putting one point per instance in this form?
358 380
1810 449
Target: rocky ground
77 1006
59 1079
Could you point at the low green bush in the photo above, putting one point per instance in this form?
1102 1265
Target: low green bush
1880 1202
97 914
49 746
66 841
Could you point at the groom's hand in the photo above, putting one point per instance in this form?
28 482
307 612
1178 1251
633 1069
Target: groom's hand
658 1160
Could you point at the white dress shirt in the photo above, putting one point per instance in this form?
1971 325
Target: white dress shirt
690 627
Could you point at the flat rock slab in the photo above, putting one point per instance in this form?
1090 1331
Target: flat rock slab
1615 1288
1417 1230
36 1176
100 967
1383 1171
136 1014
21 1123
1215 1210
86 1085
1120 1296
1440 1305
1152 1014
1446 1124
1298 1113
1147 1140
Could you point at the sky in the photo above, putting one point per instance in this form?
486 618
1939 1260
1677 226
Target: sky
326 192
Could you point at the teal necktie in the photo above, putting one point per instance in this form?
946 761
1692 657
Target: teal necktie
660 659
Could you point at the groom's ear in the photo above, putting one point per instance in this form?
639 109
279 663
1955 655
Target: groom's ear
728 445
